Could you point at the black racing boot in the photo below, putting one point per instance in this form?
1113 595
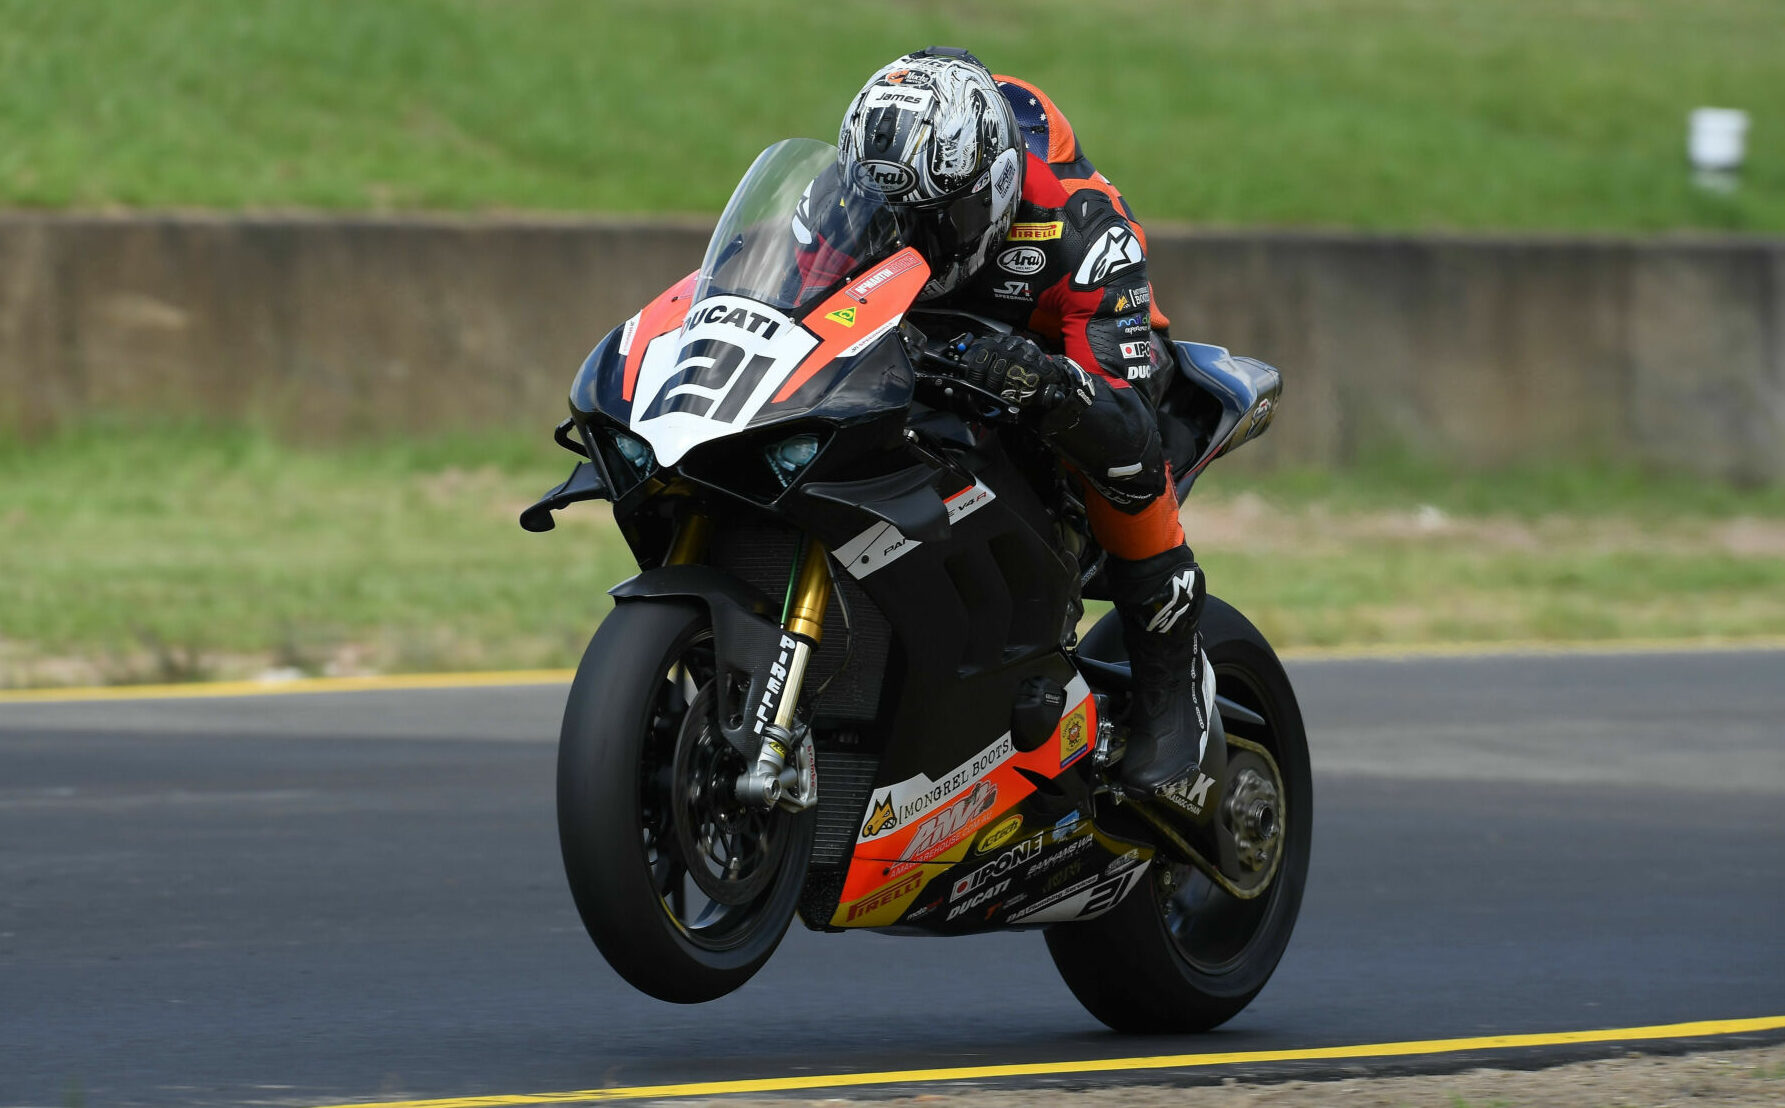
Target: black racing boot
1159 600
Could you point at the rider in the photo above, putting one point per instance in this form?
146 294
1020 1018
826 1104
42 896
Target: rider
989 184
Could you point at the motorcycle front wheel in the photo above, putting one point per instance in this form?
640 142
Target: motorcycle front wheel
1179 954
685 891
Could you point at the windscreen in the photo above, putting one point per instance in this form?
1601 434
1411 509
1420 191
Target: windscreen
793 229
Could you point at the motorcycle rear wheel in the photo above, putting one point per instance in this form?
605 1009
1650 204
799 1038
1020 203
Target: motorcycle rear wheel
1179 954
635 718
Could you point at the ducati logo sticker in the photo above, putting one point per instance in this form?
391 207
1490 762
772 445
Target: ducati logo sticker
1115 250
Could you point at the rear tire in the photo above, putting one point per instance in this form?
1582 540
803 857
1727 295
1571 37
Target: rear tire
1179 954
618 806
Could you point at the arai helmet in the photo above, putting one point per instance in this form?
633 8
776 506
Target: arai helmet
932 136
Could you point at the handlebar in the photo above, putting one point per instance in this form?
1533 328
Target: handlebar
945 377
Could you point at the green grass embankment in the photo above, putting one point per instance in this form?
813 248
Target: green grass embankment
133 555
1551 114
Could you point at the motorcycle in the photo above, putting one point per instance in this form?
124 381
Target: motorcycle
847 682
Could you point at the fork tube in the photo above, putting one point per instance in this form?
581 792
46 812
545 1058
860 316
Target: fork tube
811 591
804 619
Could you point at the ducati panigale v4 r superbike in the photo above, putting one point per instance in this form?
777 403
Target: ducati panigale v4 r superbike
847 681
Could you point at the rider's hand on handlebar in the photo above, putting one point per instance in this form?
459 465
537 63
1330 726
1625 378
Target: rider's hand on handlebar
1028 377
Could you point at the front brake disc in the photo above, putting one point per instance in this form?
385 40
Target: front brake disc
732 852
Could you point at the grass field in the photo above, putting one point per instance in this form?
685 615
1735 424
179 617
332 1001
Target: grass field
1560 114
181 554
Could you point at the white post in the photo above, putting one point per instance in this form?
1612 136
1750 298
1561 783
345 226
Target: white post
1716 143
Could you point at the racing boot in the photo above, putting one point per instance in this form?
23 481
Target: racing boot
1159 601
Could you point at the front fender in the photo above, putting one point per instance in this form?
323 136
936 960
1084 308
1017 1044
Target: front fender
747 644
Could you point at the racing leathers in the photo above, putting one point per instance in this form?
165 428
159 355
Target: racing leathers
1072 276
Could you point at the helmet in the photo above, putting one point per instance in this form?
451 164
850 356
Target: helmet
932 136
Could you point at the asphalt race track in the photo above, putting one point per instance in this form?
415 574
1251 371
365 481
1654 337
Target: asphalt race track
321 898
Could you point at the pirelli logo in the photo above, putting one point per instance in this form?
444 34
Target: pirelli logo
1035 232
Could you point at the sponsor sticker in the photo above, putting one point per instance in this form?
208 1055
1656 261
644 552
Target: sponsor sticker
896 265
1002 832
881 819
885 897
845 316
1035 232
883 543
1013 290
978 898
886 178
1022 260
1075 739
1135 298
897 805
1062 876
1192 796
1142 349
1122 862
996 868
924 910
952 824
1070 850
1066 825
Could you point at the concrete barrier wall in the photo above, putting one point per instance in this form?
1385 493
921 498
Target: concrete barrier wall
1666 351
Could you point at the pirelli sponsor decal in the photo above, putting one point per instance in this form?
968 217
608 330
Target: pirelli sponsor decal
882 906
1036 232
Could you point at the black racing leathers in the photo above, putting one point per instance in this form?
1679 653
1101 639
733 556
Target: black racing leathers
1073 273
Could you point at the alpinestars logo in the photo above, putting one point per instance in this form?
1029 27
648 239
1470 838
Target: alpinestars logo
1115 250
1183 592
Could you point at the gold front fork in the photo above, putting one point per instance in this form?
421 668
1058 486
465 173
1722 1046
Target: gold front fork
784 773
808 594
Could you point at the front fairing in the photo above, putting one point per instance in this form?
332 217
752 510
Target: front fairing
780 325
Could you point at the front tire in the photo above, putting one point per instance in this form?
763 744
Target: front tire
1179 954
636 714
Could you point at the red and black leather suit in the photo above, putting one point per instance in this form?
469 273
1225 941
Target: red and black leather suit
1073 274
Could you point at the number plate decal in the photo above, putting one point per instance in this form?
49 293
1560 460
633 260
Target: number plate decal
714 377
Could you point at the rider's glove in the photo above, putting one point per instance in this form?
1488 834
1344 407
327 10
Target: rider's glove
1053 387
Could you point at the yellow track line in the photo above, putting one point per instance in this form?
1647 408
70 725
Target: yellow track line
1528 647
1697 1030
199 690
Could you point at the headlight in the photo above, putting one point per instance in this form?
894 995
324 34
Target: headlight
791 455
637 453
